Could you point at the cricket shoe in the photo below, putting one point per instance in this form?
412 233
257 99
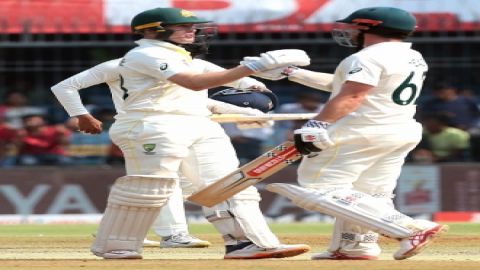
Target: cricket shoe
337 255
183 240
121 254
150 243
249 250
414 244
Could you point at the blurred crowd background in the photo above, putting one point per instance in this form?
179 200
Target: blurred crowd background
35 130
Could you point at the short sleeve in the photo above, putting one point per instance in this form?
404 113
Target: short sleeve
160 68
362 70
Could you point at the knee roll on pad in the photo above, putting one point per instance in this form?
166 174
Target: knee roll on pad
133 204
141 191
240 219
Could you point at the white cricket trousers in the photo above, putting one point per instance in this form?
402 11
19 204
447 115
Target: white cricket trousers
162 144
367 158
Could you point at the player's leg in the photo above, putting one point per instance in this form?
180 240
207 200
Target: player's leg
239 219
378 180
245 230
381 178
366 211
171 225
353 164
133 204
350 242
152 163
339 166
339 170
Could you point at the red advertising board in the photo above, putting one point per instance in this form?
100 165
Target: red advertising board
114 16
437 190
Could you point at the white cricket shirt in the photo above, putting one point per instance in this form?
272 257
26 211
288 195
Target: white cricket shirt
396 71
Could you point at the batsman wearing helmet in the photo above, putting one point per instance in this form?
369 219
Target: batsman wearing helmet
355 147
171 223
162 125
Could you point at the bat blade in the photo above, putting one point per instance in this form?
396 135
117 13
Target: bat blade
249 174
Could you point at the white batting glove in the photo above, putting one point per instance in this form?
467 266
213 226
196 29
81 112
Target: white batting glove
276 73
275 59
254 124
312 137
271 74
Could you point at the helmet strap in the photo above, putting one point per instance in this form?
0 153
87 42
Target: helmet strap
360 40
164 35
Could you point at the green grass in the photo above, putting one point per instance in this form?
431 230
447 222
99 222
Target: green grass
65 247
281 228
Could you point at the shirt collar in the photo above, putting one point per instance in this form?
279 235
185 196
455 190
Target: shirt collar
397 44
163 44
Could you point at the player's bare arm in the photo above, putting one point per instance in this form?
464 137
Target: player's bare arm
249 66
204 81
347 101
318 80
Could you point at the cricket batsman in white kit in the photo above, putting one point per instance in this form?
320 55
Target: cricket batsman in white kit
164 125
171 224
355 147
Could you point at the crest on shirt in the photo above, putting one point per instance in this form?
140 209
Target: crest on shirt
355 70
163 66
149 147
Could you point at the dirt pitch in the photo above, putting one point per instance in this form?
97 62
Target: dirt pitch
66 247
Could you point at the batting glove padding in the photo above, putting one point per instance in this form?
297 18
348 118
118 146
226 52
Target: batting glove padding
275 59
276 73
271 74
312 137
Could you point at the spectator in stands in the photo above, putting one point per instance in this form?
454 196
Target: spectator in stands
306 102
442 143
41 144
16 106
463 111
7 136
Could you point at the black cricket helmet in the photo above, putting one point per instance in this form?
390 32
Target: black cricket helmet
263 101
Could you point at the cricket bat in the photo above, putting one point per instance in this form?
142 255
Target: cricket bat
232 118
249 174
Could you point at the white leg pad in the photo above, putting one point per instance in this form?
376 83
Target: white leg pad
352 206
171 219
354 240
338 228
349 236
133 204
240 219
